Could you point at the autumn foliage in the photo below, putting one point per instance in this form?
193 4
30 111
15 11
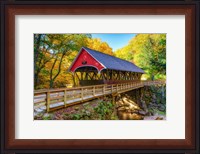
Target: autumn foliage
54 53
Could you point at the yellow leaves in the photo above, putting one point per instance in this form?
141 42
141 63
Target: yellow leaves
97 44
56 42
57 53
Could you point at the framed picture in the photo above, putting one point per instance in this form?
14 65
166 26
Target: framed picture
99 85
99 77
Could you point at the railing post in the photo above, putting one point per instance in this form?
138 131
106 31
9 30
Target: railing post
81 93
104 89
65 98
112 88
94 91
73 94
48 101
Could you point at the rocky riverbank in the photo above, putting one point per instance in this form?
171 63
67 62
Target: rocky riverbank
148 103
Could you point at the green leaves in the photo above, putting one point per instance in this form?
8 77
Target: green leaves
76 116
104 110
147 51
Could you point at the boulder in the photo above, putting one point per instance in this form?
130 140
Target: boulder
159 118
46 115
161 108
129 116
122 108
142 112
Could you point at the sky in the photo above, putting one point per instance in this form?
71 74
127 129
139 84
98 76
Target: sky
115 41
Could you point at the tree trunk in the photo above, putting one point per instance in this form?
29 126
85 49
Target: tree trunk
36 79
152 77
51 83
52 79
74 82
51 74
36 52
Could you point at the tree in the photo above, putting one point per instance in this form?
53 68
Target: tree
97 44
125 53
147 51
54 51
41 55
152 55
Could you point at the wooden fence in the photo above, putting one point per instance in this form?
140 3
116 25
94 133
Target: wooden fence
53 99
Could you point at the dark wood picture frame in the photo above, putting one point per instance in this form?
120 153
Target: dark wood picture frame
11 8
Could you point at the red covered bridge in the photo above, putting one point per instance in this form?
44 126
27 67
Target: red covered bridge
92 67
106 75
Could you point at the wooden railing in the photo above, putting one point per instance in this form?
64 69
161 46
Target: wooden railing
155 82
58 98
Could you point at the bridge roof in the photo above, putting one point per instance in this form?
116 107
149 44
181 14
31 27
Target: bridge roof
111 62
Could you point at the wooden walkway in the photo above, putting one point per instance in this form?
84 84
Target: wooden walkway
49 100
